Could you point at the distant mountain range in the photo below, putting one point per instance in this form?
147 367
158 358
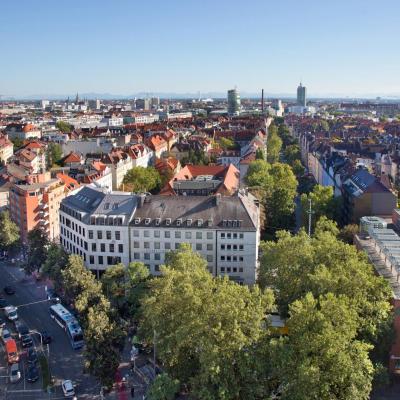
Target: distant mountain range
192 95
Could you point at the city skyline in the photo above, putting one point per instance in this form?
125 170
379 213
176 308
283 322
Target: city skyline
337 50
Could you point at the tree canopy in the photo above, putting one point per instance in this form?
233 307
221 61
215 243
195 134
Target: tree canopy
205 327
64 127
140 179
37 250
54 154
274 144
9 232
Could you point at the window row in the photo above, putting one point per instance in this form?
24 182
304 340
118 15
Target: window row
108 235
230 235
111 247
111 260
77 240
176 234
168 245
157 256
232 247
232 258
233 269
72 225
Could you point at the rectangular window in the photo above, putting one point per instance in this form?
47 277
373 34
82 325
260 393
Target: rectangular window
177 246
91 260
147 256
167 234
228 235
240 247
209 235
234 269
90 234
241 269
120 248
167 246
146 245
156 234
199 235
108 235
235 247
111 247
146 233
241 258
222 258
209 246
199 247
234 258
110 260
101 260
228 269
136 233
99 235
222 269
85 245
222 235
156 268
228 247
222 247
235 235
157 245
228 258
209 257
240 235
117 235
102 247
177 235
136 245
188 235
157 256
136 256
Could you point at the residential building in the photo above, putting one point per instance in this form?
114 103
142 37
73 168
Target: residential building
6 149
107 228
204 180
22 131
36 204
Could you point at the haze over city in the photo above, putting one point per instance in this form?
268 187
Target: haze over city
341 48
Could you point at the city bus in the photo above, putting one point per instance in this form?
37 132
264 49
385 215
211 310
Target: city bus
69 323
12 351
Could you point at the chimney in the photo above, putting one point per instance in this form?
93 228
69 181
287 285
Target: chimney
262 101
217 199
141 199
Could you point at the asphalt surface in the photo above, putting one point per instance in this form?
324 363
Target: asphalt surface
65 362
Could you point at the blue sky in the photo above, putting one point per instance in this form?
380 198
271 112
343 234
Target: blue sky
127 46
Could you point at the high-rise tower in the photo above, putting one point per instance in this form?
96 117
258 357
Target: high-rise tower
233 102
301 95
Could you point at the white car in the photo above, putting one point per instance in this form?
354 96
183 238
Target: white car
11 313
15 373
5 335
68 388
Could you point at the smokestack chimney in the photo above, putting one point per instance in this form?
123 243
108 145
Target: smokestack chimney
262 101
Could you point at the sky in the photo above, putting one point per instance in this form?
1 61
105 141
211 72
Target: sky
124 47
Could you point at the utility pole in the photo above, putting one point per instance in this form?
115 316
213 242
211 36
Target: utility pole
309 212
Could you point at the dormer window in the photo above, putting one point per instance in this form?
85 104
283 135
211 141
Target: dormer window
158 221
189 222
178 222
168 221
199 222
137 221
147 221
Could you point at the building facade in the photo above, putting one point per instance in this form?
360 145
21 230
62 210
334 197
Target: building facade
107 228
233 102
301 95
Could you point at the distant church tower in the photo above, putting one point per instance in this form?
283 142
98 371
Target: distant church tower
77 98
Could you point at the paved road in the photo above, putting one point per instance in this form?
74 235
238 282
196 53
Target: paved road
65 363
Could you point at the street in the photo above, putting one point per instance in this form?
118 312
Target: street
65 363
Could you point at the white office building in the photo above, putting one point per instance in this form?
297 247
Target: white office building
108 228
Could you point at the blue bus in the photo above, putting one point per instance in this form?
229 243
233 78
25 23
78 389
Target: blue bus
69 323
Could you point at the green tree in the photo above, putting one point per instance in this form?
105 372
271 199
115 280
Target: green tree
205 327
163 388
322 264
37 250
274 144
56 261
17 142
260 154
9 232
297 168
323 204
285 135
324 125
321 358
227 143
54 154
64 127
140 179
348 232
292 153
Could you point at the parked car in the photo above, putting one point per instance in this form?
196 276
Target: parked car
32 356
11 313
15 373
68 388
9 290
5 335
32 374
53 296
46 338
26 341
